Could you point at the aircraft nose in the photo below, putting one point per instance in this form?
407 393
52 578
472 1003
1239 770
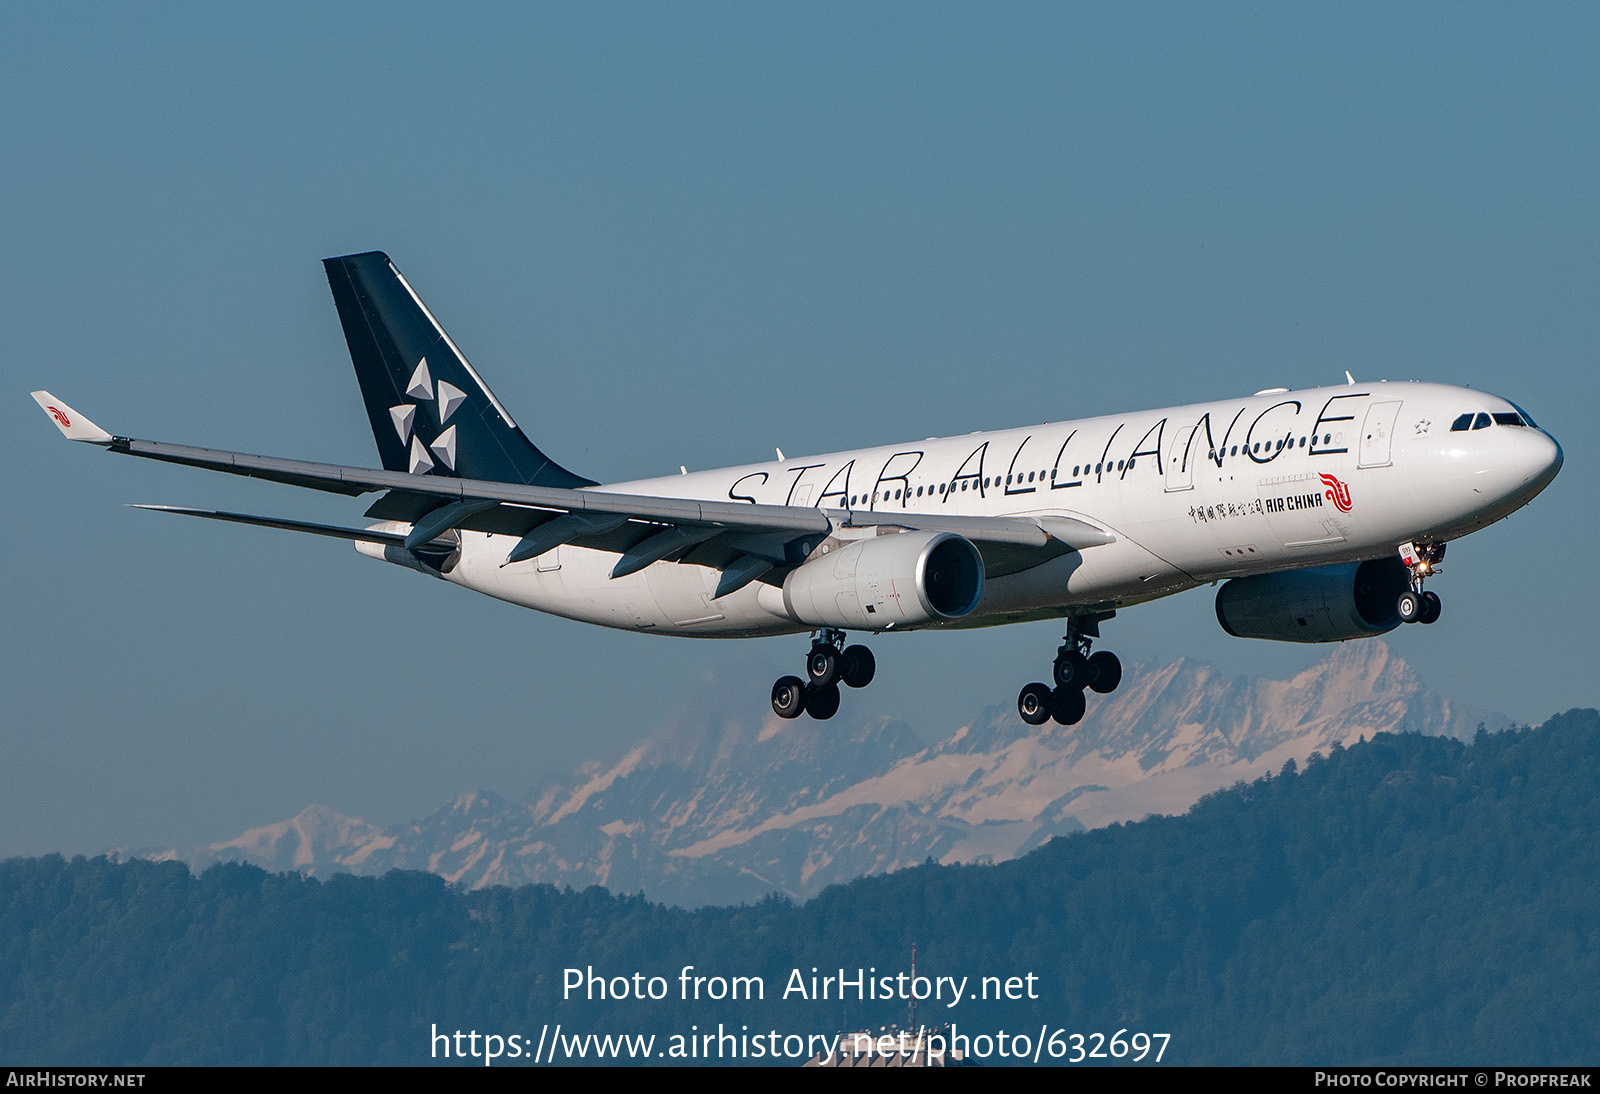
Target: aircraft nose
1539 459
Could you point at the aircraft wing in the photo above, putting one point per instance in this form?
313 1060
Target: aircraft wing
735 537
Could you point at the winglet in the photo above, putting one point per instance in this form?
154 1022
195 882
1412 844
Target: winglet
72 424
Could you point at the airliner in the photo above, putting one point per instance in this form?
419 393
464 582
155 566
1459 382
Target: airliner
1321 512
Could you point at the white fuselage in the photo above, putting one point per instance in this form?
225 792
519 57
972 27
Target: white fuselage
1277 481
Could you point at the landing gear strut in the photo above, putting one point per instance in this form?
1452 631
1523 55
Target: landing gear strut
829 664
1417 605
1075 669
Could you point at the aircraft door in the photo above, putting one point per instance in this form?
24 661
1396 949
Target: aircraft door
1377 434
1181 461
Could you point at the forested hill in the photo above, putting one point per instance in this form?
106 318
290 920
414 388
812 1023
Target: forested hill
1410 899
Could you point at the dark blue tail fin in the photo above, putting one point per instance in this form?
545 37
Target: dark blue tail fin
430 412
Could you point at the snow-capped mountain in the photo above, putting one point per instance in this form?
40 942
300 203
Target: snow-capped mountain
718 807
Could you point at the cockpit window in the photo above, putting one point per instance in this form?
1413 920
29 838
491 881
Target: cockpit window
1526 417
1484 421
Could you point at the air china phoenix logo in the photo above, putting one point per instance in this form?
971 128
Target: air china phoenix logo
1338 492
60 416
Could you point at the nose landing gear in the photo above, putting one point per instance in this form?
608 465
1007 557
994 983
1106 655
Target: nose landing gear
1417 605
829 664
1075 669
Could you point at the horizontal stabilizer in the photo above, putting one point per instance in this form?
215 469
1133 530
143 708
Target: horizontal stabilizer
74 426
364 535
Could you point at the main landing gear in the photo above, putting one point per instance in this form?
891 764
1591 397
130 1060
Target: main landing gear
829 664
1075 669
1417 605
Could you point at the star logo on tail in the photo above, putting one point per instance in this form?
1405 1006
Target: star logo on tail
447 399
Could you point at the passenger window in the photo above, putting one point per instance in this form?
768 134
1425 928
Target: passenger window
1481 422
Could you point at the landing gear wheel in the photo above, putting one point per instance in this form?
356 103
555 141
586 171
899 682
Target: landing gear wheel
1431 607
789 697
857 666
1409 607
1067 706
823 702
822 665
1072 670
1035 704
1105 672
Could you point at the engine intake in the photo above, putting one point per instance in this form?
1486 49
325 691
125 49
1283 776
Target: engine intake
904 579
1325 604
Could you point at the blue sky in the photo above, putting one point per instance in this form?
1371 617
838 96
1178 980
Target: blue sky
684 234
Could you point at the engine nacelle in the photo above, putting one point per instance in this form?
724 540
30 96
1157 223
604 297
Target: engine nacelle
903 579
1325 604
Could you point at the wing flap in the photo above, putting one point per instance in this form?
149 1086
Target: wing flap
1021 531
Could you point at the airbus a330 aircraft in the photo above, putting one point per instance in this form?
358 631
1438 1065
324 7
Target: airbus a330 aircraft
1323 511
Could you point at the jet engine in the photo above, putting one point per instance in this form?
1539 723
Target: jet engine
903 579
1325 604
